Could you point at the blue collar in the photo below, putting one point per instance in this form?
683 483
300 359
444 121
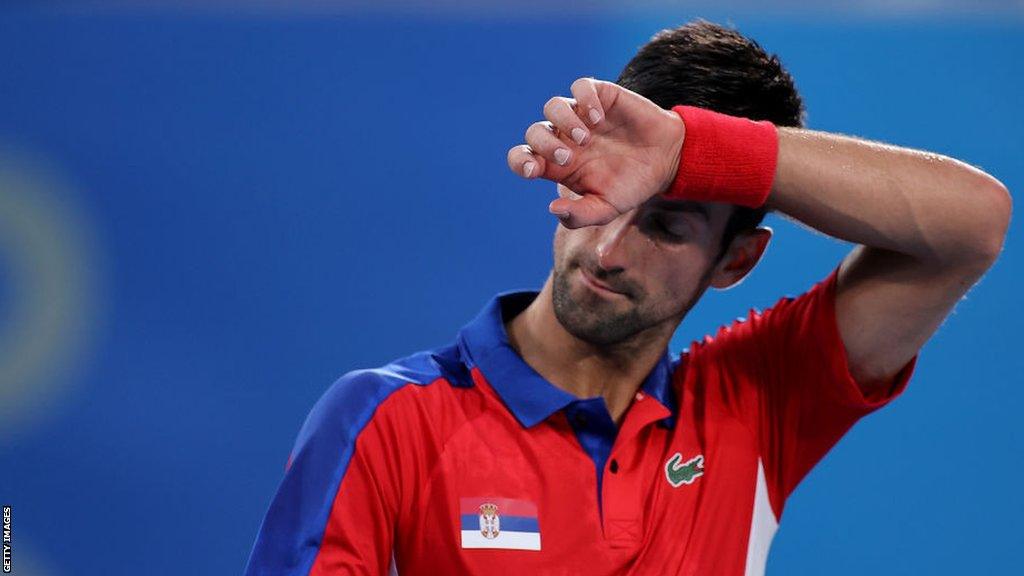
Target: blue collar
529 396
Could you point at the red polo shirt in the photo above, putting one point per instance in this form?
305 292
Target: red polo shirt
464 460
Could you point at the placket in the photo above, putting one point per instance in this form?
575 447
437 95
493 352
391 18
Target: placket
622 497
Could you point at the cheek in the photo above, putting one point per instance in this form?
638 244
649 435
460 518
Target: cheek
672 276
559 244
569 243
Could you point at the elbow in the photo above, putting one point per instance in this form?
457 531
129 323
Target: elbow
1000 211
996 206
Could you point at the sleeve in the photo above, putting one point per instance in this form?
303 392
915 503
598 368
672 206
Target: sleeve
804 398
334 511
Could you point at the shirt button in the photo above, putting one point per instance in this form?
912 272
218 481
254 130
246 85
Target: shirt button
614 466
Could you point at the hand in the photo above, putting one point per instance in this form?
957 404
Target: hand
614 148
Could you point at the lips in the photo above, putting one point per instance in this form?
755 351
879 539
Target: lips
598 286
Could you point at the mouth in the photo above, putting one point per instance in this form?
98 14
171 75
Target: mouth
601 288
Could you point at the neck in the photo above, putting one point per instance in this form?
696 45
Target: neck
585 370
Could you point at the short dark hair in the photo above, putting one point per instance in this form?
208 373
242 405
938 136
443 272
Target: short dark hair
707 65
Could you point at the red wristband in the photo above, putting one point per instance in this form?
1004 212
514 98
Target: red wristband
725 158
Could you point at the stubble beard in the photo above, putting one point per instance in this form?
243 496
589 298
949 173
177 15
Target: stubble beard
606 323
598 323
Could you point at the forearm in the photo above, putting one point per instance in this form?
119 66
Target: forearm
935 209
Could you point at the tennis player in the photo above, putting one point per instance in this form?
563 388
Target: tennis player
557 434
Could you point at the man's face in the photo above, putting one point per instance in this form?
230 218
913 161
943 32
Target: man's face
647 267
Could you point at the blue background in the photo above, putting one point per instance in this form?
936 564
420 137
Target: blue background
262 202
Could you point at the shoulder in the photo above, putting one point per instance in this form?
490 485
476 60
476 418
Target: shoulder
363 396
344 448
772 324
791 330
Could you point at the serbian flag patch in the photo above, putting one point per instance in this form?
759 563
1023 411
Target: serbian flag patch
499 523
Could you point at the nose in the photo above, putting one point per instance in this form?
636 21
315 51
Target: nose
610 245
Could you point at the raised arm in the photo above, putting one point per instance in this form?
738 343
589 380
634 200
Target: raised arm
928 226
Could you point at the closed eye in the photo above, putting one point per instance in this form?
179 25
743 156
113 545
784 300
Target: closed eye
669 228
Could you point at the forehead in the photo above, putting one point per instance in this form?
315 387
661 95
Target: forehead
714 214
681 207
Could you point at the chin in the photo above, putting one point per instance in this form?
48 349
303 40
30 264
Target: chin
601 323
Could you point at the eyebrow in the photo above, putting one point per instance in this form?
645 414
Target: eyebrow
692 207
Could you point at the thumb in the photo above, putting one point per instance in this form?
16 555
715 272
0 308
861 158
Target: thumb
587 210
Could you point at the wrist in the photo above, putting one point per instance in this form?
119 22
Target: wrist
674 152
724 158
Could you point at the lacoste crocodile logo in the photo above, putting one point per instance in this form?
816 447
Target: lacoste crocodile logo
678 472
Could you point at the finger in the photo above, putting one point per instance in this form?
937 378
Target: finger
562 115
546 144
524 162
589 210
588 104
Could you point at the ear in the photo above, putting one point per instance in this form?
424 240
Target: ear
745 250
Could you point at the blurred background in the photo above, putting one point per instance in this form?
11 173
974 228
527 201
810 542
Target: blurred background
211 210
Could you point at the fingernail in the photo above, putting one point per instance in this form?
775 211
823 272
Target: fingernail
578 134
562 156
595 116
528 168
